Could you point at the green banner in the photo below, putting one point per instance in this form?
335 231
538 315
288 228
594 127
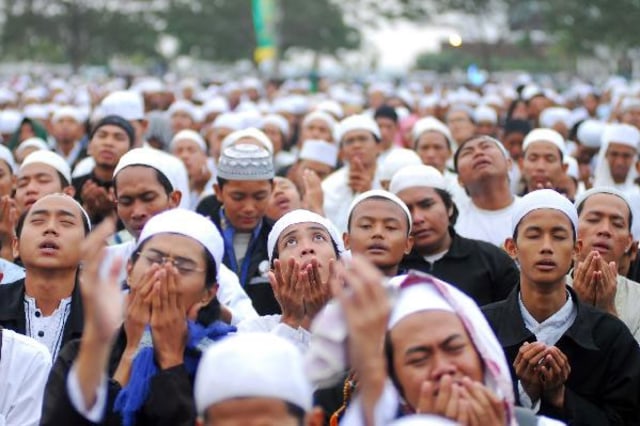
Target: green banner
264 23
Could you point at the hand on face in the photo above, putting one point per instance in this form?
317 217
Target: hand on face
360 179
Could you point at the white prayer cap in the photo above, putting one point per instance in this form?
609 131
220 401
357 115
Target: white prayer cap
321 151
423 420
629 104
217 104
124 103
590 133
624 134
430 101
379 193
250 365
66 111
332 107
485 114
228 120
322 116
396 160
573 170
580 199
190 224
252 83
549 117
544 199
493 99
32 143
417 298
36 112
356 122
245 161
10 120
148 157
51 159
185 106
431 124
295 217
380 87
7 157
531 91
277 120
459 107
418 175
150 85
544 135
190 135
250 133
7 96
231 86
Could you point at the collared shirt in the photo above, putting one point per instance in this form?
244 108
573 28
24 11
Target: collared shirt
550 330
238 264
47 330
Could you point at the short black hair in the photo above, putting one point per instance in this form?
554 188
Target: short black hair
162 180
20 223
386 111
447 199
580 206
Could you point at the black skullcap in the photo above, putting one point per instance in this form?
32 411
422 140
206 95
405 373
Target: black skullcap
386 111
115 120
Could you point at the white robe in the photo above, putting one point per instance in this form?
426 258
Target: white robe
492 226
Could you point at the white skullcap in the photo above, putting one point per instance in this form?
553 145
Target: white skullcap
493 99
124 103
544 199
250 365
10 120
629 104
228 120
458 107
190 135
580 199
544 135
277 120
332 107
36 111
430 101
148 157
431 124
250 133
7 157
396 160
32 143
190 224
549 117
423 420
379 193
7 96
244 161
624 134
573 170
295 217
418 175
485 114
356 122
321 151
531 91
51 159
417 298
217 104
322 116
67 111
590 133
183 106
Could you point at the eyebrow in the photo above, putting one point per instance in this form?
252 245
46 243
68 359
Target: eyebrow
180 258
59 212
422 348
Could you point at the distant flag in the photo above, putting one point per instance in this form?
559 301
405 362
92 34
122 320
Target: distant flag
264 22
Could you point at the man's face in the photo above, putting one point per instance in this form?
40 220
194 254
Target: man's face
388 130
140 196
67 129
430 219
604 227
256 411
428 345
536 105
305 242
620 158
360 144
33 182
513 142
542 165
108 144
181 120
215 138
461 126
320 169
486 128
245 202
479 159
193 157
275 136
316 129
544 247
433 149
379 230
285 198
632 117
52 234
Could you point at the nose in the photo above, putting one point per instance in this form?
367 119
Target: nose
547 247
441 365
52 226
139 210
604 228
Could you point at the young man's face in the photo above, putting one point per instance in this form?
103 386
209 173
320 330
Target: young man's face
620 158
245 202
542 165
108 144
284 198
430 219
35 181
192 156
433 149
360 144
316 129
481 158
305 242
388 130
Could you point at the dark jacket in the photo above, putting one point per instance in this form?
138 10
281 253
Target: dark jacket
481 270
257 283
13 316
604 384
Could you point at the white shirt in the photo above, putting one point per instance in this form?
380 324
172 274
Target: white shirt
271 324
24 370
47 330
10 272
492 226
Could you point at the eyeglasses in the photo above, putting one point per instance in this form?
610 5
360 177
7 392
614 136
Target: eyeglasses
184 266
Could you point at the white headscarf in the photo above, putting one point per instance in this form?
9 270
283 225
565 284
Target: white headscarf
616 133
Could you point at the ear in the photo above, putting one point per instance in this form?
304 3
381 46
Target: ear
174 199
565 167
69 190
577 249
511 248
408 245
633 251
315 417
345 240
630 243
218 192
15 247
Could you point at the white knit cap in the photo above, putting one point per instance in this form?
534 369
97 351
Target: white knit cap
277 120
148 157
549 117
379 193
624 134
544 199
295 217
321 151
418 175
247 365
590 133
10 120
332 107
190 135
190 224
32 143
228 120
67 111
51 159
245 161
124 103
431 124
216 104
322 116
485 114
396 160
580 199
356 122
544 135
185 106
36 111
250 133
7 157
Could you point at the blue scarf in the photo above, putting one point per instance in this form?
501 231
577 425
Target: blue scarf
131 397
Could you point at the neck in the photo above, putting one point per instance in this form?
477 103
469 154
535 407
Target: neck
66 146
389 270
49 287
438 247
492 194
104 173
542 301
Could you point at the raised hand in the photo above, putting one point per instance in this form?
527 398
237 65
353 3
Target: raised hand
286 285
526 366
312 197
554 372
318 292
8 218
360 179
583 279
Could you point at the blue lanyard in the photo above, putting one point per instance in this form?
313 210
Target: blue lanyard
228 233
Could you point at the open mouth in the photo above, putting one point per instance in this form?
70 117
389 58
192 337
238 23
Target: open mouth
546 265
48 247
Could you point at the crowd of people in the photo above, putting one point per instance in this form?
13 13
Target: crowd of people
274 253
